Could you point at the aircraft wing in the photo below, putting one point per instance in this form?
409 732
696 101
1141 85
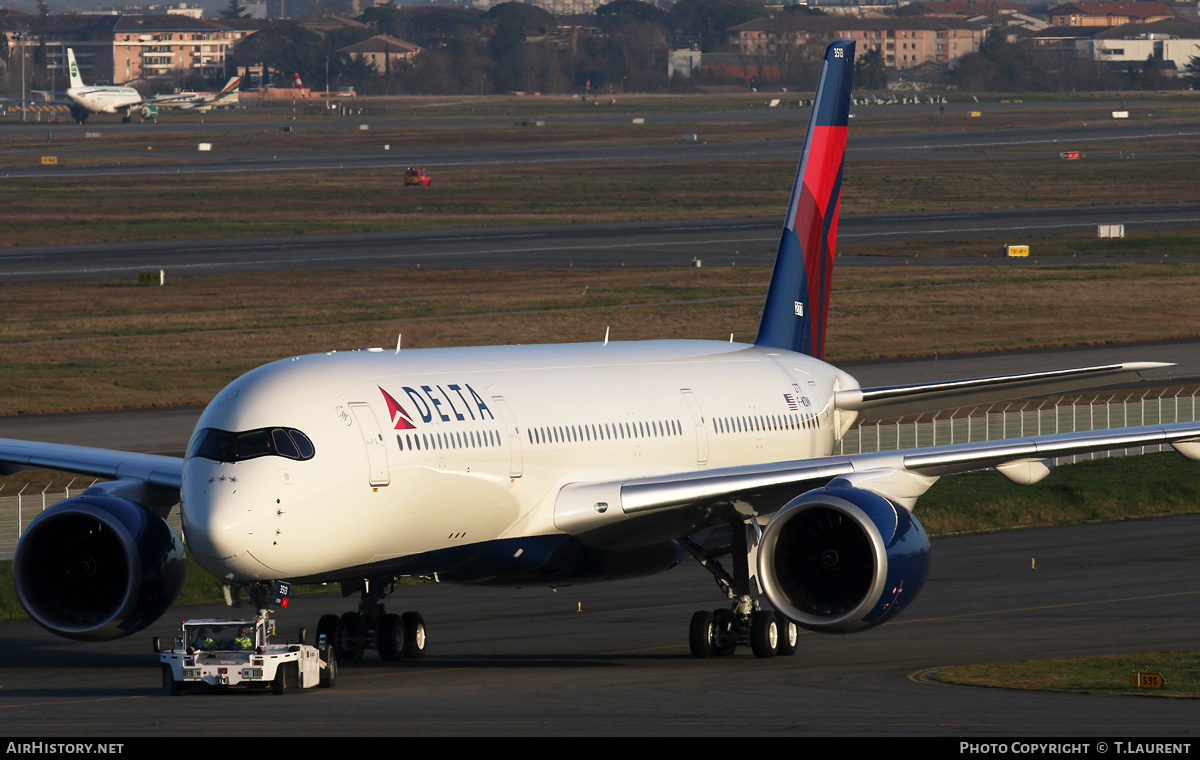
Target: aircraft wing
898 400
614 511
155 470
38 102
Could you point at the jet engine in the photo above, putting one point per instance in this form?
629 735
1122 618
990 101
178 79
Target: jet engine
842 559
97 566
149 112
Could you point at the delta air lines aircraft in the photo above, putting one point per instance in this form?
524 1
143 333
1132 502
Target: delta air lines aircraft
550 464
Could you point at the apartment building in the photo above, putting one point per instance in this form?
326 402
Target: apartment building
1109 13
124 48
385 53
903 42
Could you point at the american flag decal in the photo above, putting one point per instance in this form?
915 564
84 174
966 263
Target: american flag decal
791 402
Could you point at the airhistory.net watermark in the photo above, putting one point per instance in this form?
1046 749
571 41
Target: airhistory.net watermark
62 748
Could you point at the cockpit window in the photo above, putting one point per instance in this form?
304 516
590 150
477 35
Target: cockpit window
224 446
283 444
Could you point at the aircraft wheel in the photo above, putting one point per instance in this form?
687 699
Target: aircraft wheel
700 635
327 626
414 634
389 637
724 636
789 635
349 638
764 634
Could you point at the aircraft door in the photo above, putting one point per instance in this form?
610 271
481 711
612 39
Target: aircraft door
698 422
377 458
515 459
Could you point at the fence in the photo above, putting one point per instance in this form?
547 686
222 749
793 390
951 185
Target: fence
1027 418
19 509
1004 420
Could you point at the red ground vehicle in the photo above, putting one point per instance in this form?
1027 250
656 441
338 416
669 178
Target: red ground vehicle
415 176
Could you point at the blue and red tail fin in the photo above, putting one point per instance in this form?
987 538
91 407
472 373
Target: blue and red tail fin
797 307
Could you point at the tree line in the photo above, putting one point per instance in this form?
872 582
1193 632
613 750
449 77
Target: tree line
510 47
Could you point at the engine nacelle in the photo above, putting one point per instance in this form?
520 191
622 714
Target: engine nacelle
97 567
842 559
149 112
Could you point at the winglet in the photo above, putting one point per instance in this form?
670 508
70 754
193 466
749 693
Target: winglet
797 307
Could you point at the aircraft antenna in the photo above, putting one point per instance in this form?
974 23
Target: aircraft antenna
606 336
399 338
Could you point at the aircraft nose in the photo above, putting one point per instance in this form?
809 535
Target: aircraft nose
224 526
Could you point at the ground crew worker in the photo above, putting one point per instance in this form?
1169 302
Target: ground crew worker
243 640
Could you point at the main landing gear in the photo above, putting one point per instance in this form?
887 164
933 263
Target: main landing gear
394 636
719 632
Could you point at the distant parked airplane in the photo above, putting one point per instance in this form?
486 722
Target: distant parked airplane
199 101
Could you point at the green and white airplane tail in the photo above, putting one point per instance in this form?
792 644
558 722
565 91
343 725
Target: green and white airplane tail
73 67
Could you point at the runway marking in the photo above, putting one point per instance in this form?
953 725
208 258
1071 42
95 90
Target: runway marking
1041 141
1023 228
923 676
43 705
625 153
347 260
1046 607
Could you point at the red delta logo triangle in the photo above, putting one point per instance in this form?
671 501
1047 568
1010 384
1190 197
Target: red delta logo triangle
400 418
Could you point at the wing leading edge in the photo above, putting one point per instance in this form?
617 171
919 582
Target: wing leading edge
155 470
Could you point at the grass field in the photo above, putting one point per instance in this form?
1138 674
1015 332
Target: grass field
1108 675
160 206
107 345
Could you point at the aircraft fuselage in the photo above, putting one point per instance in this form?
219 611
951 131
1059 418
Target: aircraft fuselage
103 99
420 454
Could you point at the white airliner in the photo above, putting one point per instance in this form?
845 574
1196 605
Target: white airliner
549 464
199 101
84 100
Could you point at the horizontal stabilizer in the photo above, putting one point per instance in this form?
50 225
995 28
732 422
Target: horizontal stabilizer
898 400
